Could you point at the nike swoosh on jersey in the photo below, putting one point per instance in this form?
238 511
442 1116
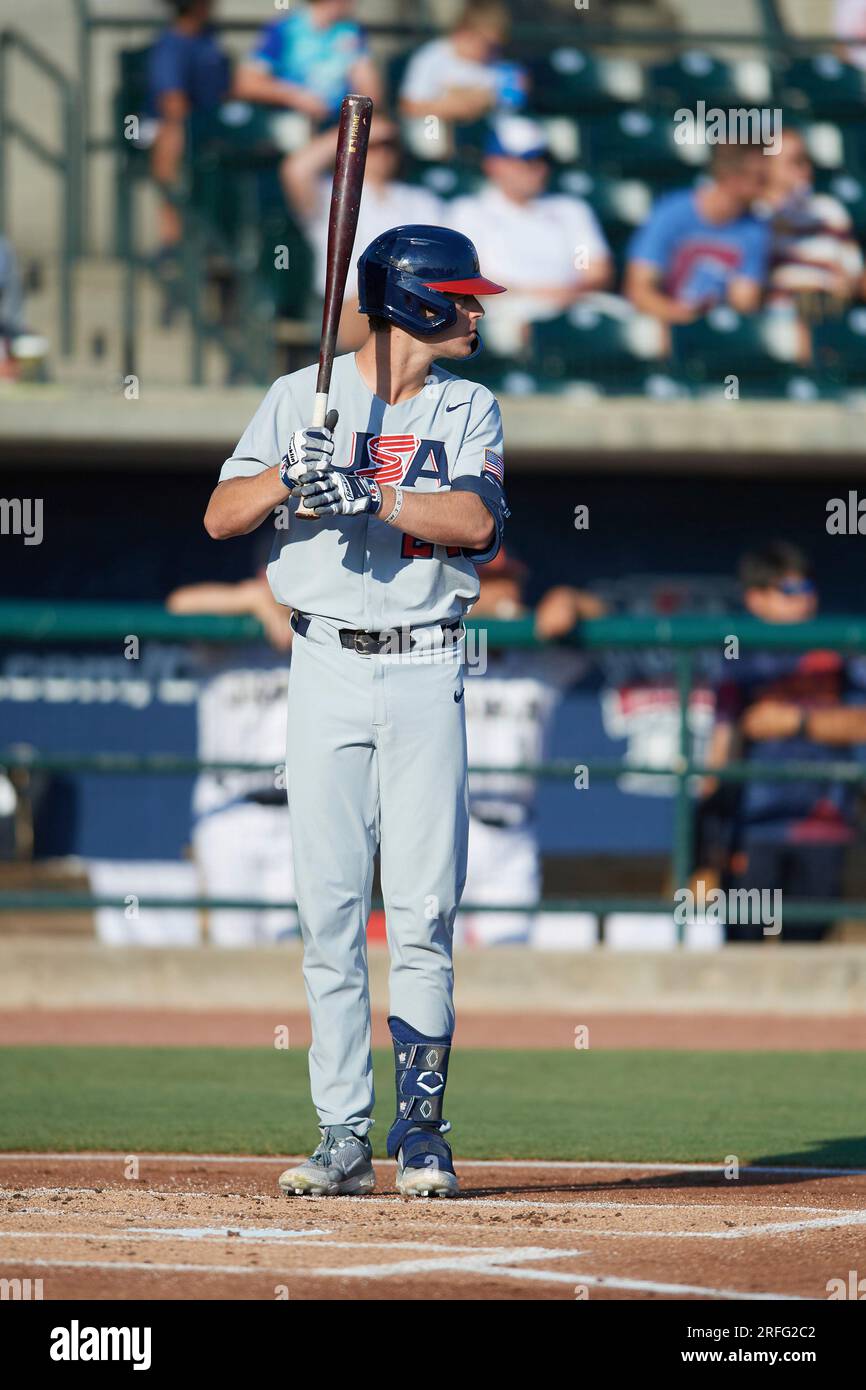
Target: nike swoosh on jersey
457 406
458 698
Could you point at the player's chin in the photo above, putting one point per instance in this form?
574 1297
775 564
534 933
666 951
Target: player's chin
463 347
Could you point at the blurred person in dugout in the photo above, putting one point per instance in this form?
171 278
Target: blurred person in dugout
462 78
704 246
240 838
307 60
778 707
187 74
510 705
816 265
548 248
385 202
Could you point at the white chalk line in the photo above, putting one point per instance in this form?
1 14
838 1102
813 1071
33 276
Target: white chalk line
495 1271
485 1261
529 1164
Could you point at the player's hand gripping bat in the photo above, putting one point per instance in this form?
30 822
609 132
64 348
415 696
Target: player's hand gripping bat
354 134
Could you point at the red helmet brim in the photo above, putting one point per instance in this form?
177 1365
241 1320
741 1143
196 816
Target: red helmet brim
477 285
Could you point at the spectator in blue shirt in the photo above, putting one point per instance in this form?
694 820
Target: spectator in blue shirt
187 72
778 707
704 246
309 60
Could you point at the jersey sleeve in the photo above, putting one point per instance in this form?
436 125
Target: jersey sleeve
166 70
652 242
480 468
264 440
268 47
421 80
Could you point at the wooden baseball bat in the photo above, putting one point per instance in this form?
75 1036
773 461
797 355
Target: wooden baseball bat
352 140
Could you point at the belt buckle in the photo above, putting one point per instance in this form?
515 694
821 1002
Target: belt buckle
365 643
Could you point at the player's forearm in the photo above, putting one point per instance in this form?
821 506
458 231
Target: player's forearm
239 505
451 518
841 725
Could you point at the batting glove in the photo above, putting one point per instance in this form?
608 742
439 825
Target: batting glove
329 493
310 449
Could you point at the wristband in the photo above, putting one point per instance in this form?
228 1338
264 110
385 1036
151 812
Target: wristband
398 505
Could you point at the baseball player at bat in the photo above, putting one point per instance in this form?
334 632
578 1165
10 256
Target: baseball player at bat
406 481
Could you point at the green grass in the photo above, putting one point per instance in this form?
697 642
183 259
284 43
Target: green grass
782 1107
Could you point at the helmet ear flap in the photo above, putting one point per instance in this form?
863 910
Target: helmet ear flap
402 299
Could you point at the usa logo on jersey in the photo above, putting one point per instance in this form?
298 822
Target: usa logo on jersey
399 458
494 464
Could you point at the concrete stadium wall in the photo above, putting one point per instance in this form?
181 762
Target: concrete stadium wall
54 974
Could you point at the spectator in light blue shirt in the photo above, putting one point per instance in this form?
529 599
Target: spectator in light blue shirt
704 246
309 60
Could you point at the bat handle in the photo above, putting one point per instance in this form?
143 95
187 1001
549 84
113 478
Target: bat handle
321 416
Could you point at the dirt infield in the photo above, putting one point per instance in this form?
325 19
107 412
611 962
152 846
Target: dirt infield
199 1227
724 1032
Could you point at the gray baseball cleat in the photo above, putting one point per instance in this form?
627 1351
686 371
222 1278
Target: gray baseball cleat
340 1164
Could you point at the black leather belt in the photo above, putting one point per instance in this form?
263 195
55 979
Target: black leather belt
396 641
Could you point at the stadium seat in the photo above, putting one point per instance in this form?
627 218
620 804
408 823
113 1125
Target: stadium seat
822 86
851 193
451 180
621 205
568 81
834 147
510 376
600 343
695 76
760 350
638 144
839 346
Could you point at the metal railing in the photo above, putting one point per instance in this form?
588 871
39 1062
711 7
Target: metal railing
65 163
685 636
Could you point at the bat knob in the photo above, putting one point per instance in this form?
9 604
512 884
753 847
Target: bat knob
331 419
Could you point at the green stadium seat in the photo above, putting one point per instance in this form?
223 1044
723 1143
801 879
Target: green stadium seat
569 81
639 144
823 86
850 192
445 180
839 347
621 205
696 76
599 342
834 146
509 375
760 350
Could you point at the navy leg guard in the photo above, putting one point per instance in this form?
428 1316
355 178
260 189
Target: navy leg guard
422 1069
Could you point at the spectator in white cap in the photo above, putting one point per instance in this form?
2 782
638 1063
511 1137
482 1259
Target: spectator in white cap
548 248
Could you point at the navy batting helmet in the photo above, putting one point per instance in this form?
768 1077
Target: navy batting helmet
405 271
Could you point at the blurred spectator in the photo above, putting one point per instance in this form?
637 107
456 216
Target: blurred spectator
385 202
241 839
21 352
780 707
510 705
548 248
462 78
11 292
816 265
187 73
309 60
704 246
849 22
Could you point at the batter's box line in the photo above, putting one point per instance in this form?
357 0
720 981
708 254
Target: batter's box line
496 1266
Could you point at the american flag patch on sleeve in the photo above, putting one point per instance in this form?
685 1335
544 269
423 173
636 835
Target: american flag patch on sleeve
495 464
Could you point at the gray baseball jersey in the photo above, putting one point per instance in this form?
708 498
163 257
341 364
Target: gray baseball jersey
357 570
